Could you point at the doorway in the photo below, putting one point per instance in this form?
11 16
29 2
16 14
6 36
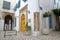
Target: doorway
36 21
58 23
23 23
8 22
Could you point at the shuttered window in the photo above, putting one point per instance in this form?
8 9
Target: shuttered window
6 5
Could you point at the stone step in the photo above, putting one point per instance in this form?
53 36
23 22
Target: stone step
10 32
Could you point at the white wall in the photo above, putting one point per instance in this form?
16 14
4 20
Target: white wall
13 3
17 20
33 7
1 21
22 4
47 4
53 21
1 4
29 19
17 24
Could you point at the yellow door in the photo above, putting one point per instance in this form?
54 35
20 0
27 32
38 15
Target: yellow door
23 23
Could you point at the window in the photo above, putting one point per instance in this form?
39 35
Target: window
17 6
6 5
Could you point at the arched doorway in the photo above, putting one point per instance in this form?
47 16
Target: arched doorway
23 23
8 22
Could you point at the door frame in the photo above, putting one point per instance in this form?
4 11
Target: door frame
25 12
7 17
36 21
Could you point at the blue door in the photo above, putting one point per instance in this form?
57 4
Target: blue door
50 22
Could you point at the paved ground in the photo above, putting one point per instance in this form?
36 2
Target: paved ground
20 36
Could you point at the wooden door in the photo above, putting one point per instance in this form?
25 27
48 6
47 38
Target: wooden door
23 23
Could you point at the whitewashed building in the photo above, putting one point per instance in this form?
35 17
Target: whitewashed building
31 12
7 13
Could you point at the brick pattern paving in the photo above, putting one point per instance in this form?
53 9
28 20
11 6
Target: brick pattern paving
21 36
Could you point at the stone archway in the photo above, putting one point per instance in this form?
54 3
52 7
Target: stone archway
8 22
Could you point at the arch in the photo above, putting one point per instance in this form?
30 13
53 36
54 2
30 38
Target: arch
8 22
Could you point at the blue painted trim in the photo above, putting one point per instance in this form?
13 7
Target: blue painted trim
15 22
24 0
17 6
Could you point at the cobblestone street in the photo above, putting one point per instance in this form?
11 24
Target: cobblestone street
20 36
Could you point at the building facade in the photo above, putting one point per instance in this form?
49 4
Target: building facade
7 14
31 12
